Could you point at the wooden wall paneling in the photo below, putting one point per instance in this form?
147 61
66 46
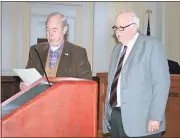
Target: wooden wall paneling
172 110
9 86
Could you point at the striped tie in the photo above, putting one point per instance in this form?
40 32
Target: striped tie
113 96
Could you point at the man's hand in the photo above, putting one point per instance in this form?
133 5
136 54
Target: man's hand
23 85
153 126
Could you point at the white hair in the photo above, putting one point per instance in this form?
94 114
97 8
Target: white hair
134 19
64 20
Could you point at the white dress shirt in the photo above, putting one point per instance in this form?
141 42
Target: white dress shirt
54 48
128 50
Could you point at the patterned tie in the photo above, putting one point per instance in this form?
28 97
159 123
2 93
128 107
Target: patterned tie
113 95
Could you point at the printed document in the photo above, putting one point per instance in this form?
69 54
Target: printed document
29 76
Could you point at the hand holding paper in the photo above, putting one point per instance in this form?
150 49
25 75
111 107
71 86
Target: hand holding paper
29 76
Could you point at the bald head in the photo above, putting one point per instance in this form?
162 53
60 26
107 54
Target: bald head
128 16
126 26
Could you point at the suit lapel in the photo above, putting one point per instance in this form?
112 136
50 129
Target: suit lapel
116 59
113 67
43 52
132 54
65 60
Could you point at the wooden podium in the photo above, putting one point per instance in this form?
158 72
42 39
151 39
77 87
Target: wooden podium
66 109
172 110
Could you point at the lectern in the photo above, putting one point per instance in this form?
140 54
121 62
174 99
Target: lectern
66 109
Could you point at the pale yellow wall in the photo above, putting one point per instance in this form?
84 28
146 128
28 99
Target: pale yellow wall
89 29
26 31
113 10
172 28
79 25
172 24
0 42
91 33
172 32
14 32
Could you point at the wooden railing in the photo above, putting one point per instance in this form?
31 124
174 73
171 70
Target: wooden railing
172 110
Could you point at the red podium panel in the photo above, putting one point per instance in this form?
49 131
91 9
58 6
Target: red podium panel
67 109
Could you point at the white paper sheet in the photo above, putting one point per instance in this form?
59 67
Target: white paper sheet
71 78
29 76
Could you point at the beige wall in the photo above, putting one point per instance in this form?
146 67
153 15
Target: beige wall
89 29
25 32
79 33
172 32
172 28
15 39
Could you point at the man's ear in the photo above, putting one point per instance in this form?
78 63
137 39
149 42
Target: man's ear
65 29
135 26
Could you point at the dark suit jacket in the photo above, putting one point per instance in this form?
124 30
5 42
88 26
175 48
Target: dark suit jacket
174 67
73 61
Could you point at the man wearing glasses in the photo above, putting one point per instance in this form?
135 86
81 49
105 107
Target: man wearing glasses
138 82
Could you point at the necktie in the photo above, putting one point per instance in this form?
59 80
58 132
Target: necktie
53 57
113 95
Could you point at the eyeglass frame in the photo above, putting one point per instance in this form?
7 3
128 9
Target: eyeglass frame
121 27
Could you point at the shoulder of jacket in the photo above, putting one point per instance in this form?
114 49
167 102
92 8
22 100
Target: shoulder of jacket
75 47
39 45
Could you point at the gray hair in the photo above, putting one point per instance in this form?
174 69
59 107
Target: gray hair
64 19
134 19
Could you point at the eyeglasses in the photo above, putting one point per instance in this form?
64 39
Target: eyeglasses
115 28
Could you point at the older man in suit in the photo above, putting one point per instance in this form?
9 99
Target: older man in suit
60 58
138 82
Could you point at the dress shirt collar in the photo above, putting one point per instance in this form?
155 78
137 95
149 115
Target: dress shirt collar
54 48
133 40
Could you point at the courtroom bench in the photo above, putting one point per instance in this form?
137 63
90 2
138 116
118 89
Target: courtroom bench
9 86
